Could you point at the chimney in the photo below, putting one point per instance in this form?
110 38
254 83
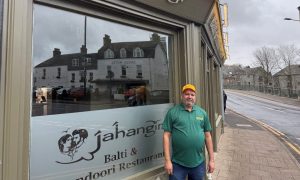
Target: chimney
83 49
106 40
56 52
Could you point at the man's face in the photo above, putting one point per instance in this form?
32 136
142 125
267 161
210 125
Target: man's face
188 98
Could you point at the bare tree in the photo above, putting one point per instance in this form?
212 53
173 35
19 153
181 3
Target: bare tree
288 55
266 58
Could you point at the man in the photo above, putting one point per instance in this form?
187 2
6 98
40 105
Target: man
224 99
186 128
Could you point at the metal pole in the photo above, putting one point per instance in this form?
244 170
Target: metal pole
85 31
299 12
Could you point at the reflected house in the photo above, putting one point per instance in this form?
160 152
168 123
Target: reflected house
114 69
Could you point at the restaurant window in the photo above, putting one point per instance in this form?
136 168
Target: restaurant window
113 79
111 105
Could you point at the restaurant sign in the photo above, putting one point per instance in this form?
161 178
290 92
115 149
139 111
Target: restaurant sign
104 144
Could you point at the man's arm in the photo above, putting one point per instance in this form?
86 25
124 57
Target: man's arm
209 147
168 162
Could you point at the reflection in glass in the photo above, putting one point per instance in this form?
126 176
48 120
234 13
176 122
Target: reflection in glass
126 67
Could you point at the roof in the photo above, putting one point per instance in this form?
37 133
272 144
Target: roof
66 59
147 46
295 70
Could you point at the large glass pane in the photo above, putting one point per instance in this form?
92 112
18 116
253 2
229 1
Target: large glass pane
83 63
100 91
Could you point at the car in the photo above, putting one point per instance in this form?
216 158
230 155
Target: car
63 93
79 92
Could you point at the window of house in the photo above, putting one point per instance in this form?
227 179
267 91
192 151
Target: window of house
73 77
108 54
91 76
58 72
75 62
109 72
88 61
44 74
139 72
138 52
108 69
123 53
123 69
82 75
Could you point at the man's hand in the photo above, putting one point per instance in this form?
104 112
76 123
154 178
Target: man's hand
169 167
211 166
168 162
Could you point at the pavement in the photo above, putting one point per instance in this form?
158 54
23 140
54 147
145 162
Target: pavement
250 151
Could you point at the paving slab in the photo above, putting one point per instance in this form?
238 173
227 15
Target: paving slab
251 152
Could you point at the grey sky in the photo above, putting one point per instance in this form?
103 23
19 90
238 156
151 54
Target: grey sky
55 28
257 23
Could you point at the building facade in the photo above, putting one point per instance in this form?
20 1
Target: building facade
288 81
95 112
244 77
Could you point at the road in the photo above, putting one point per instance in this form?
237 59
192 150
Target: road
283 117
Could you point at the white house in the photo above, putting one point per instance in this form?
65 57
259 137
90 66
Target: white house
115 67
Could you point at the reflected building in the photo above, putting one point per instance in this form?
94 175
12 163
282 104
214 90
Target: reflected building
113 70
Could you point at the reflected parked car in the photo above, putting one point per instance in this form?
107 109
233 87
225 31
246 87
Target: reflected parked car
79 92
159 96
63 93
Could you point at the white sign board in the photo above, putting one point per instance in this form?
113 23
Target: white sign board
103 144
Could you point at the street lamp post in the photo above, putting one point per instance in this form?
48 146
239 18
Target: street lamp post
290 19
84 78
299 11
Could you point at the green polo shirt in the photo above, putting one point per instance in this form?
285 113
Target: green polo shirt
187 132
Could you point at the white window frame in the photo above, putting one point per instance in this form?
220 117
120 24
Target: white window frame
109 54
123 53
138 52
75 62
139 70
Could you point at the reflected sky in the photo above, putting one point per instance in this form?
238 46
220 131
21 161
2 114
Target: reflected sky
55 28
